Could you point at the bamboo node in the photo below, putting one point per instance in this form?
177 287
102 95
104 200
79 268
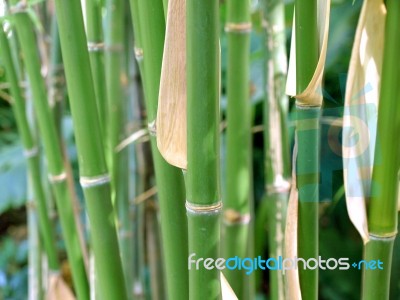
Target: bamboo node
152 128
28 153
138 53
280 185
95 46
388 237
238 27
233 217
203 209
30 205
19 7
58 178
89 182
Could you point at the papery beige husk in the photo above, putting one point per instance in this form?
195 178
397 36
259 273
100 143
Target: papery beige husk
58 289
359 122
171 114
312 95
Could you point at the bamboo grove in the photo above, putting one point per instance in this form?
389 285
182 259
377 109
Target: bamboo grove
165 129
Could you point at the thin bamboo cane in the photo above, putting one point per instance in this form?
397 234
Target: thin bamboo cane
154 251
142 164
113 58
35 291
32 155
94 34
203 202
93 170
238 153
149 28
56 85
56 80
307 169
382 214
114 46
275 137
53 152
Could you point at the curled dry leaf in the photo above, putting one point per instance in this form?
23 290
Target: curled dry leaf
359 121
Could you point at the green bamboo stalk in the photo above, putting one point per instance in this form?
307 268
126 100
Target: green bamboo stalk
274 14
114 46
275 137
117 161
238 160
35 290
307 169
154 251
56 80
56 86
53 152
142 163
382 213
203 188
150 31
138 45
94 34
31 153
93 170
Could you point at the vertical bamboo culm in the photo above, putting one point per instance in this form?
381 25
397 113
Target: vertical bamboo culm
307 132
238 154
203 202
53 152
94 177
382 214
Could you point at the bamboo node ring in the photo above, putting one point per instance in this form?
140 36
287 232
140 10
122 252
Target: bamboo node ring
95 46
28 153
238 27
30 205
277 187
138 53
198 208
233 217
57 178
19 7
88 182
152 128
389 237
